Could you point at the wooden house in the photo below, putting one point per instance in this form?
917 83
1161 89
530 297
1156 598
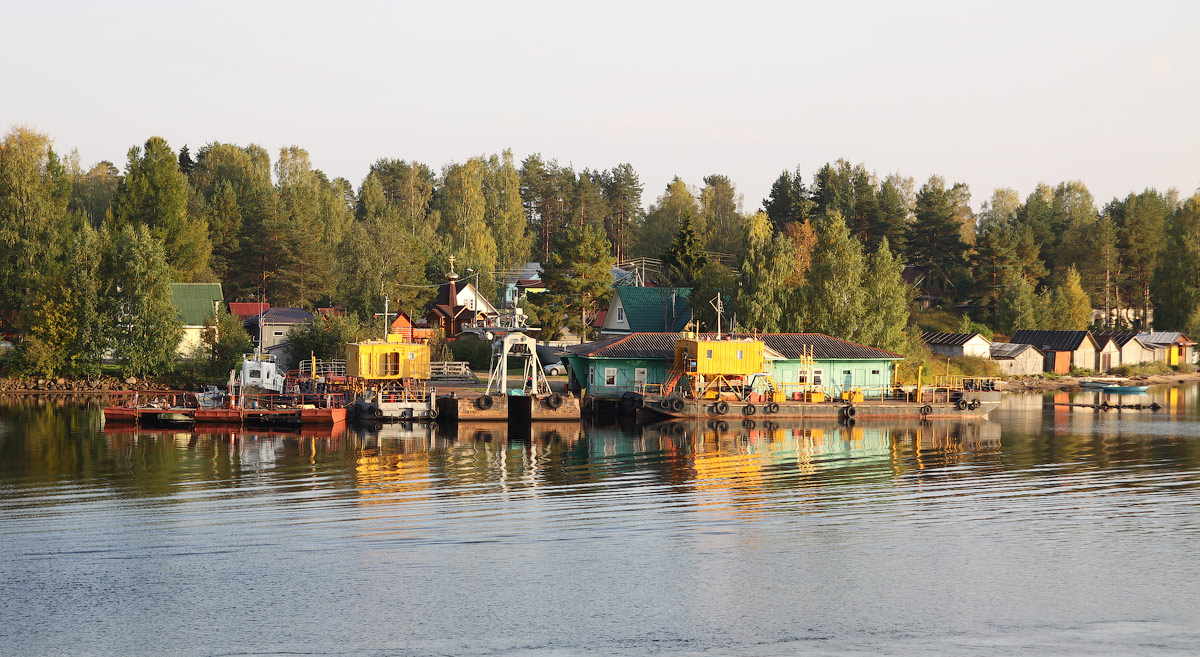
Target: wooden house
610 367
410 331
458 304
196 303
1132 350
275 324
1062 349
957 344
647 310
1170 347
1017 359
1108 353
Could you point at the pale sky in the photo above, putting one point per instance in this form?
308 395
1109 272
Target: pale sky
1001 94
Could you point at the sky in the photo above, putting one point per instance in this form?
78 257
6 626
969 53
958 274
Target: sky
1004 94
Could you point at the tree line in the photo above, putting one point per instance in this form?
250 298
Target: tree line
89 252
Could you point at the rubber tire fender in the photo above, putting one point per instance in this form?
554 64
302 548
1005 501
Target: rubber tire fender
961 404
851 411
749 409
926 409
484 402
721 407
433 414
773 407
677 404
377 413
554 401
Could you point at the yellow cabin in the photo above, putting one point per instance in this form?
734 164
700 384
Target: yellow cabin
719 357
387 360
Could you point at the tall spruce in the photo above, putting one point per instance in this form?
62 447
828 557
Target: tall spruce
832 298
623 191
935 237
685 257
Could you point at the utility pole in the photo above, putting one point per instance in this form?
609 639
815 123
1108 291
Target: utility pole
719 307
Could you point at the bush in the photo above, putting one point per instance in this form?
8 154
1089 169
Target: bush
1184 368
1141 369
1081 371
973 366
473 350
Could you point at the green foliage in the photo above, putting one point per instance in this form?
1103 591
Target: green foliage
1141 369
968 325
973 366
936 319
34 192
136 298
623 192
886 313
716 278
935 236
763 291
578 283
154 193
327 337
505 213
685 258
664 220
1176 283
1081 371
832 299
720 216
224 341
461 205
1070 308
472 350
1016 308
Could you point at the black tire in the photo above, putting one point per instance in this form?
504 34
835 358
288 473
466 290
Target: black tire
485 402
721 407
961 404
377 413
677 404
973 405
554 401
433 414
773 407
749 409
851 411
926 409
664 403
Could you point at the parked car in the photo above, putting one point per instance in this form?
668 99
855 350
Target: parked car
555 369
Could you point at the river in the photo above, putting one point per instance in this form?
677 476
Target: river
1042 530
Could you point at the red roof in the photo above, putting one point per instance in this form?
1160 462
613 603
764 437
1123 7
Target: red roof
244 310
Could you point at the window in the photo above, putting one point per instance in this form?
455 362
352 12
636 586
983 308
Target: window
620 313
803 378
708 354
255 374
639 374
279 333
817 375
874 372
610 376
845 372
740 354
592 373
412 355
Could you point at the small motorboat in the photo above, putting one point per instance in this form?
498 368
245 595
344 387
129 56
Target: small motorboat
1125 390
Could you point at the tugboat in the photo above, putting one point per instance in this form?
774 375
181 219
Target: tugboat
713 377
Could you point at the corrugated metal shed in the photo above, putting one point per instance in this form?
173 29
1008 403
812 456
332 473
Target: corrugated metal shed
1051 340
789 345
1009 350
947 339
196 302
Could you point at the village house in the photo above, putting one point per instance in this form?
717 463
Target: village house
647 310
1016 359
196 303
957 344
1170 347
1062 349
269 330
244 310
410 331
1131 350
610 367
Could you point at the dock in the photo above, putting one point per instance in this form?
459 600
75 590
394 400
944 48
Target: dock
187 408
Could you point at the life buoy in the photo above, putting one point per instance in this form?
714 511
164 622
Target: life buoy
773 407
749 409
721 407
554 401
677 404
485 402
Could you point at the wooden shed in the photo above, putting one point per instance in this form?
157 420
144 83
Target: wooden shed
957 344
1132 350
1063 349
1017 359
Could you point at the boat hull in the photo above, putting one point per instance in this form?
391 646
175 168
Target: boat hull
985 402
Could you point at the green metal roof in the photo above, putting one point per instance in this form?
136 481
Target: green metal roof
650 309
195 301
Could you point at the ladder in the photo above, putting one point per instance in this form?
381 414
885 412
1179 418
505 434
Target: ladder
671 382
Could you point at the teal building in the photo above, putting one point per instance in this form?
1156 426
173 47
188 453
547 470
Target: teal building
612 366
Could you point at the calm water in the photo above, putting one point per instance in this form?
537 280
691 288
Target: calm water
1040 531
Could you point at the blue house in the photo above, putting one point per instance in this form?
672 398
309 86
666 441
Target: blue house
647 310
614 365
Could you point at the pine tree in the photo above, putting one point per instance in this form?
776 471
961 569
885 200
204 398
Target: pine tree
1016 307
1176 284
154 193
664 219
935 236
685 258
623 191
505 214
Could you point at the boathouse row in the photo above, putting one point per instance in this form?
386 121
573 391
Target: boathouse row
612 366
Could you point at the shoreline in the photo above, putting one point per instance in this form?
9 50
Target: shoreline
1070 383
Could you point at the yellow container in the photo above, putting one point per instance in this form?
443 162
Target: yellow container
778 397
387 360
853 395
724 357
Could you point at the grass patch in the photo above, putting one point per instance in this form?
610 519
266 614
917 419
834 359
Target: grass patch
1141 369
